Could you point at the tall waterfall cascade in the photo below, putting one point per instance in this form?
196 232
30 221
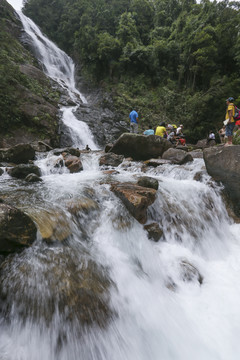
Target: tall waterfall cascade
100 289
60 67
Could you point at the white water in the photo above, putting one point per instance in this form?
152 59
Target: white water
59 67
154 322
157 315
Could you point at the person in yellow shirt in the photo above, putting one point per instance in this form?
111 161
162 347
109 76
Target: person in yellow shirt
161 130
230 112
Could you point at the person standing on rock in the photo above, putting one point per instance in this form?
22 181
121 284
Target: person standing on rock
230 112
133 116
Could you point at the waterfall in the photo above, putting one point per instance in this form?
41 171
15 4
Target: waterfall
60 67
93 286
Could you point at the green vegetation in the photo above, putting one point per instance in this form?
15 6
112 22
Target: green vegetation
173 60
16 88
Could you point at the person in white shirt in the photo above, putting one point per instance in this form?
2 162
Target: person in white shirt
179 130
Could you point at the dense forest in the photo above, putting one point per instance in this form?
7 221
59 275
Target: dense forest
172 60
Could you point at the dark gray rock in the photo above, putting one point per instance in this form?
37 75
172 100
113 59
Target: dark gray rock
140 147
148 182
17 230
177 156
22 170
1 172
33 178
111 159
18 154
154 231
223 164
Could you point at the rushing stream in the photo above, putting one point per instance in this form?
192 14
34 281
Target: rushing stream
99 289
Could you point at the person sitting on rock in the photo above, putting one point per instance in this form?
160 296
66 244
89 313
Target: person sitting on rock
172 136
149 131
161 130
181 141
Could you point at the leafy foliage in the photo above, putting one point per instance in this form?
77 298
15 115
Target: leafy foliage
187 54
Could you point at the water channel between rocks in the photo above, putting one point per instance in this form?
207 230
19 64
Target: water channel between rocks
97 288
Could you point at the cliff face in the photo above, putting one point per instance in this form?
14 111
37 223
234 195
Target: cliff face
28 103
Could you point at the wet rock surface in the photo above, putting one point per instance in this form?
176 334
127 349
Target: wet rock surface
148 182
154 231
111 159
57 285
136 199
22 170
17 230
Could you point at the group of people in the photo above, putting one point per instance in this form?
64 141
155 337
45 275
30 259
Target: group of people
170 132
175 134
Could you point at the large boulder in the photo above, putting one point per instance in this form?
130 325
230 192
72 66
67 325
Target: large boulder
19 154
140 147
135 198
23 170
17 230
177 156
223 164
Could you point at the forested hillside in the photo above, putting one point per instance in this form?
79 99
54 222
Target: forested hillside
28 104
173 60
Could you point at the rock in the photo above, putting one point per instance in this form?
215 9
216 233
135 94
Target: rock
108 147
73 163
154 231
135 198
111 159
111 172
33 178
1 172
182 147
202 144
148 182
21 171
190 272
85 205
156 162
17 230
223 164
53 224
19 154
177 156
199 176
140 147
71 151
56 281
196 154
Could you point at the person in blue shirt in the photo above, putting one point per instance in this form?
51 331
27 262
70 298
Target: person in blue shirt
149 131
133 116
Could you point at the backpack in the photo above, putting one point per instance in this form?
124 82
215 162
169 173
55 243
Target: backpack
237 113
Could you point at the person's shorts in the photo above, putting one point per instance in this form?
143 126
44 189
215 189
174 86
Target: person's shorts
229 128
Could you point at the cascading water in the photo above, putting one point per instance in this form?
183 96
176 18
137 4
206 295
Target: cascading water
98 289
59 67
